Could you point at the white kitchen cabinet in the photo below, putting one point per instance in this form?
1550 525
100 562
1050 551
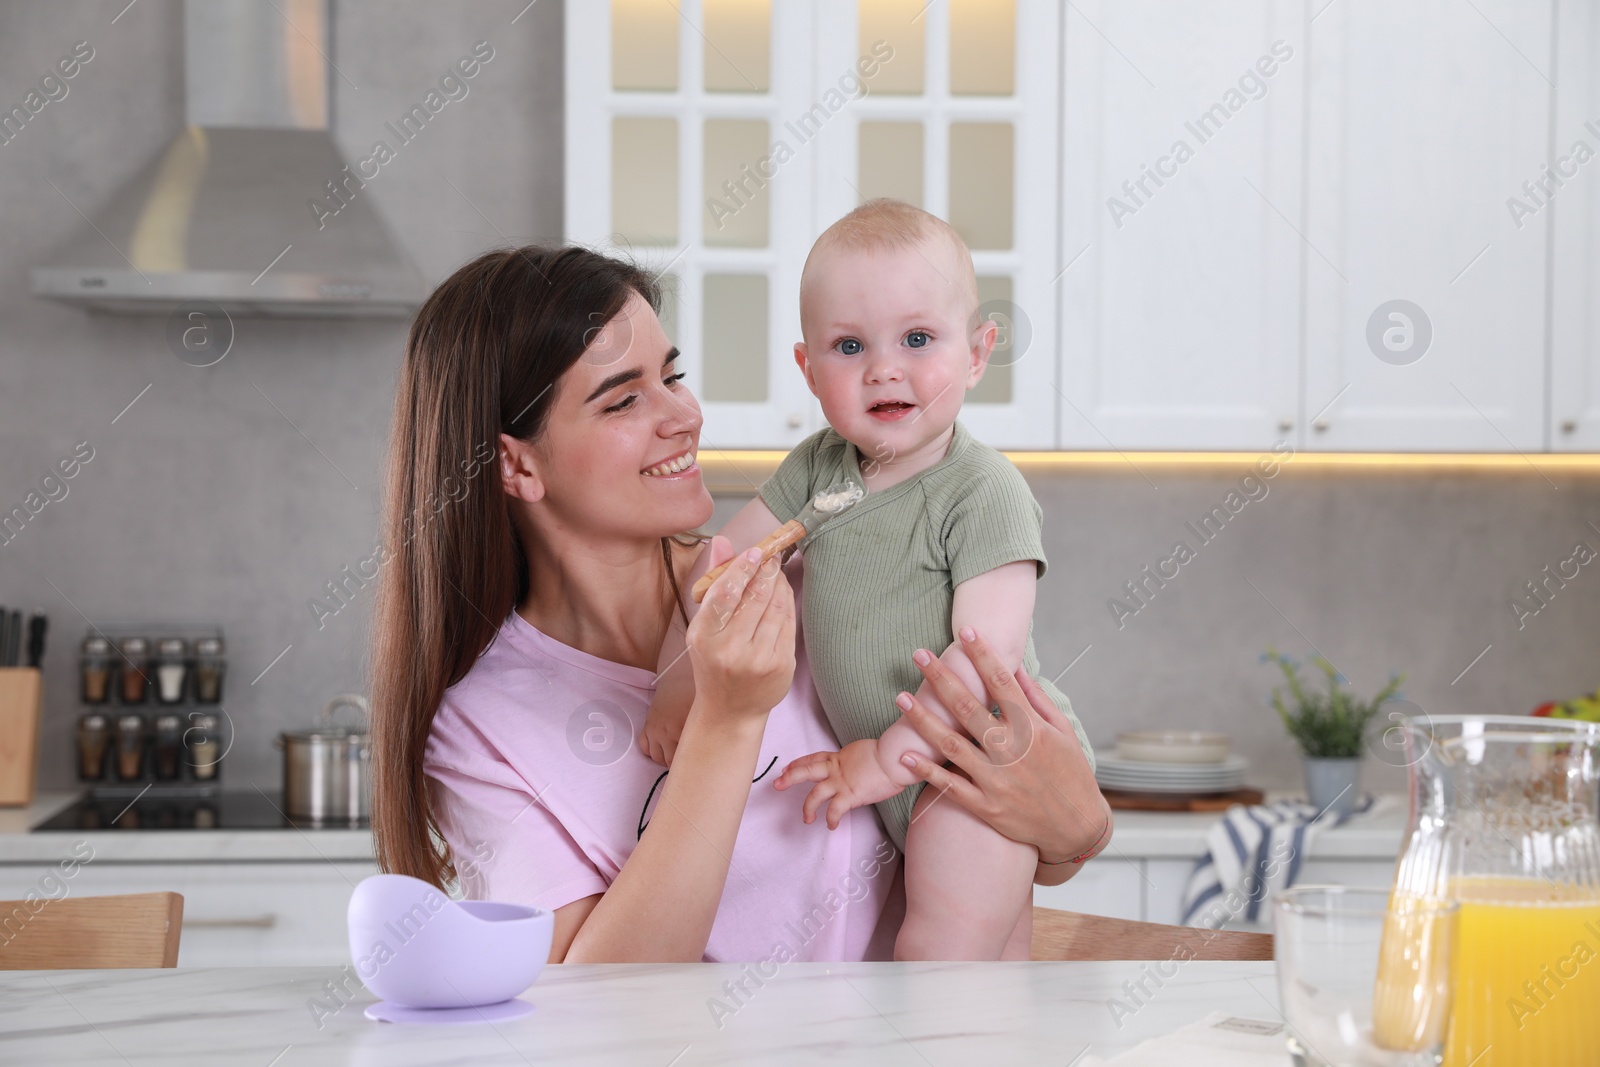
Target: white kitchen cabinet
1181 192
1227 227
1150 888
1164 889
234 914
1573 215
1368 874
1110 885
1423 119
1400 302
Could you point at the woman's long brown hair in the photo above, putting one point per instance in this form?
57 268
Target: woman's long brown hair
483 358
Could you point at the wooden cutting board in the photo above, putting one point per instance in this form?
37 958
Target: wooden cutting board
19 734
1122 800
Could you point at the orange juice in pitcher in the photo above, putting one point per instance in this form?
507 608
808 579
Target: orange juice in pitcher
1504 822
1527 976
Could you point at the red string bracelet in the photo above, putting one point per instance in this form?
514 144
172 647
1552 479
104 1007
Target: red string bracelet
1080 857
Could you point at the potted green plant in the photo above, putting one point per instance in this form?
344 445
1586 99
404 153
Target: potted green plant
1330 729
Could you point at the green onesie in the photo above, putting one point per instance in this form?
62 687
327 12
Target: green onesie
880 579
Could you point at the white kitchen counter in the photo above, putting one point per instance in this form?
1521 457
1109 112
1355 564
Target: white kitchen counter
17 845
1375 834
1139 835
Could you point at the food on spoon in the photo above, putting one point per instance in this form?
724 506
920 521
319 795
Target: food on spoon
832 501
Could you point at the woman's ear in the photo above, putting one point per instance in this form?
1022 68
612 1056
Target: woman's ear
519 469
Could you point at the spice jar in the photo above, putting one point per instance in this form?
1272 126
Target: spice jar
208 670
204 744
168 744
135 669
94 740
130 747
95 667
172 669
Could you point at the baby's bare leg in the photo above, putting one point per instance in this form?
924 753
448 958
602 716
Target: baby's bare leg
969 890
1019 946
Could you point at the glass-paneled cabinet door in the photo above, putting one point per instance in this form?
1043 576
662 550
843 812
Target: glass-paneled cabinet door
960 117
675 157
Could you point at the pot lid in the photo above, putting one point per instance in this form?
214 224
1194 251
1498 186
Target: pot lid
327 730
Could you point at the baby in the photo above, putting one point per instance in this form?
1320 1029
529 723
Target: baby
947 536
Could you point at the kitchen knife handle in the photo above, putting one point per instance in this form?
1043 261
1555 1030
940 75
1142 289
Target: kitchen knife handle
36 629
775 542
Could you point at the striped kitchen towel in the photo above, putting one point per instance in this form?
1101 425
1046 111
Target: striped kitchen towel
1252 852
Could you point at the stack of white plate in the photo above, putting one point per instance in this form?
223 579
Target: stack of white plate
1139 776
1172 761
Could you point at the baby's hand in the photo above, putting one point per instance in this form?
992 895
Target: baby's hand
846 780
669 710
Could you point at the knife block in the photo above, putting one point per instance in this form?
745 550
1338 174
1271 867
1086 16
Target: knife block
19 734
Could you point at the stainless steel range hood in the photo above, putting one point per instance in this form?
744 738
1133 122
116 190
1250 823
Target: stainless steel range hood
251 206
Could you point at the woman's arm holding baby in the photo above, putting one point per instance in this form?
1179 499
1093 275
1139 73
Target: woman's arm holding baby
1031 781
997 602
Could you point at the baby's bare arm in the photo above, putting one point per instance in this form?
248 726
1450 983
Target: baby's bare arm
999 605
674 695
753 522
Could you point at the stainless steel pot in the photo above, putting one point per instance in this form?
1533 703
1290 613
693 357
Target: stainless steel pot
327 770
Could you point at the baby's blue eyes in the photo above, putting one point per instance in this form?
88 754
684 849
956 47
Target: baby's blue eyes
915 339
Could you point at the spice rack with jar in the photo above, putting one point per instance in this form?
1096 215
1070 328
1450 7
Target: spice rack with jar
153 721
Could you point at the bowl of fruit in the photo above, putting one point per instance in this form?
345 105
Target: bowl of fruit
1585 708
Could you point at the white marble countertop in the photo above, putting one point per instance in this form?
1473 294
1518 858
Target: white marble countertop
657 1015
18 845
1376 834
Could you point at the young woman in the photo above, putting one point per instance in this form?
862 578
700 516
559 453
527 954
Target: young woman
541 476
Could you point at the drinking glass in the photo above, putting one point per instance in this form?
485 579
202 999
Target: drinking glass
1363 982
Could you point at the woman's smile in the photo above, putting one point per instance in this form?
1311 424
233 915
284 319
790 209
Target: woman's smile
678 467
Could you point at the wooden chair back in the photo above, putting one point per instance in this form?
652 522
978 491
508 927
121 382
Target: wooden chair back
132 930
1069 935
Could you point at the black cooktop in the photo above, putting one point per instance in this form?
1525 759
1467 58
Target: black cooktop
251 810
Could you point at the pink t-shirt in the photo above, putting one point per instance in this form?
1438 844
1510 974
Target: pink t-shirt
541 793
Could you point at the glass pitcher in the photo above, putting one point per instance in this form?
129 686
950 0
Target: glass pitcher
1505 821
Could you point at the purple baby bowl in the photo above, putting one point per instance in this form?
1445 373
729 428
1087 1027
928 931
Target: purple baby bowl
416 948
